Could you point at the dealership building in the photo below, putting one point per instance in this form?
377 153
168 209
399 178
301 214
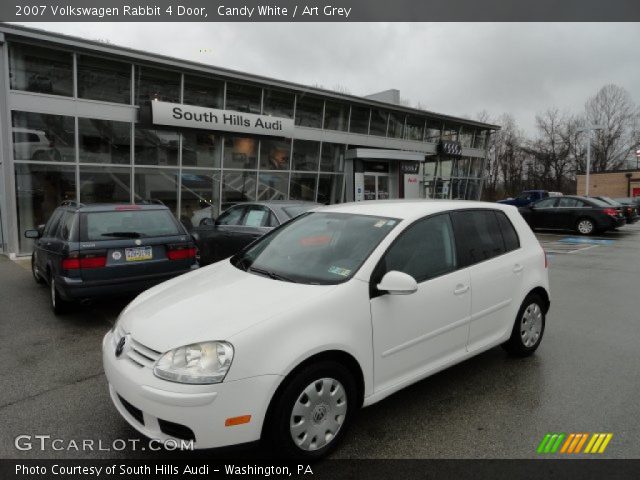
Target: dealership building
92 122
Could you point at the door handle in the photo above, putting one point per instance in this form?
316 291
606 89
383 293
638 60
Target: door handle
517 268
460 289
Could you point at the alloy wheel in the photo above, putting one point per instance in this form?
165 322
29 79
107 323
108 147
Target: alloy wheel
318 414
585 226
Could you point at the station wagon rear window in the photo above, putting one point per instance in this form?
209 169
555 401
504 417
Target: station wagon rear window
127 224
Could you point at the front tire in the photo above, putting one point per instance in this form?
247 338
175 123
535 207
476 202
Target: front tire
528 328
585 226
313 411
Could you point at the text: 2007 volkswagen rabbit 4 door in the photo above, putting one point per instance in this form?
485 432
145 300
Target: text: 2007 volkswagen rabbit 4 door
335 310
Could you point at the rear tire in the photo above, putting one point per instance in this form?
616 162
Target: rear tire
34 270
58 304
312 413
585 226
528 328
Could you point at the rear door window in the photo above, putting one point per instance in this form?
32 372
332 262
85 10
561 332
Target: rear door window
509 234
478 235
256 216
111 225
546 203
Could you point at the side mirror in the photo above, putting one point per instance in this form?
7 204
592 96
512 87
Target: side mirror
207 221
35 234
398 283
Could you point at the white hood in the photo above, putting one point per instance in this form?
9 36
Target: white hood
212 303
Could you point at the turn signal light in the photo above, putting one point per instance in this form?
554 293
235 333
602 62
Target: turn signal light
233 421
180 252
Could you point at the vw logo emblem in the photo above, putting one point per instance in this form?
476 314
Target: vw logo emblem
120 346
319 413
138 242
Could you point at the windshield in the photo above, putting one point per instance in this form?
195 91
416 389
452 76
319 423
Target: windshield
316 248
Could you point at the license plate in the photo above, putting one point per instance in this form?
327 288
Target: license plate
138 253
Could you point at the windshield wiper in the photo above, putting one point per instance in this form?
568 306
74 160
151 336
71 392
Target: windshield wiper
270 274
123 234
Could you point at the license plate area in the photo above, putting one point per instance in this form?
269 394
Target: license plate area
138 254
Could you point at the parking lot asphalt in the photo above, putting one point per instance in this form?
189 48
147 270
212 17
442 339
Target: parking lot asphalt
583 378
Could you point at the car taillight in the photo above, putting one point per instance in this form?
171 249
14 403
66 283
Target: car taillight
180 252
77 261
611 211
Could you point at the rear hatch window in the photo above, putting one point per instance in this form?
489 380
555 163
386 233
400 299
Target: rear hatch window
96 226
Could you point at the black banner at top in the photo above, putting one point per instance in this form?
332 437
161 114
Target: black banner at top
317 11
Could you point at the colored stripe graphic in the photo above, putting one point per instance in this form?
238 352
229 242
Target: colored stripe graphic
572 443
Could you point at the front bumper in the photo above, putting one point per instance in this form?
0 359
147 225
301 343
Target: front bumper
165 410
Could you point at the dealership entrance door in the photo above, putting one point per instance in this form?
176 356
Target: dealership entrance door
376 186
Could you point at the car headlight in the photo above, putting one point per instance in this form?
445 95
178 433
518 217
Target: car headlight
199 363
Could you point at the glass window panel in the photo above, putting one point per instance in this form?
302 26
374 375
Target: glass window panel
104 79
201 148
414 129
105 184
309 111
359 120
330 188
39 190
336 116
303 186
396 125
203 91
200 196
240 152
272 186
278 103
38 69
243 98
429 170
473 190
480 139
332 158
432 135
445 169
156 147
450 132
305 155
238 187
157 184
104 141
379 122
154 84
476 168
274 153
466 137
38 136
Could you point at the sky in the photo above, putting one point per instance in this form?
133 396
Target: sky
453 68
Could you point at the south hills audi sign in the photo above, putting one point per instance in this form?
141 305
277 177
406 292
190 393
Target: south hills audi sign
189 116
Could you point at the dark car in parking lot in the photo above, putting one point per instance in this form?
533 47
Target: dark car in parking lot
89 251
630 209
584 215
241 224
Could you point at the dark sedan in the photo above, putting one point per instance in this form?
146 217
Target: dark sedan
630 210
585 215
242 224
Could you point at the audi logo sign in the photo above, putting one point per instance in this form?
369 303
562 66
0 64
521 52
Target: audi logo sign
450 148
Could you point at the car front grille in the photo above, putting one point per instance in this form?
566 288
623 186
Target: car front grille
136 352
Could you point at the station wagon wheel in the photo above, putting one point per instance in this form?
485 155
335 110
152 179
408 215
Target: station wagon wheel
585 226
58 304
35 271
528 328
311 413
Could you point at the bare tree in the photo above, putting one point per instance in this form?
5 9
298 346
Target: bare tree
613 108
